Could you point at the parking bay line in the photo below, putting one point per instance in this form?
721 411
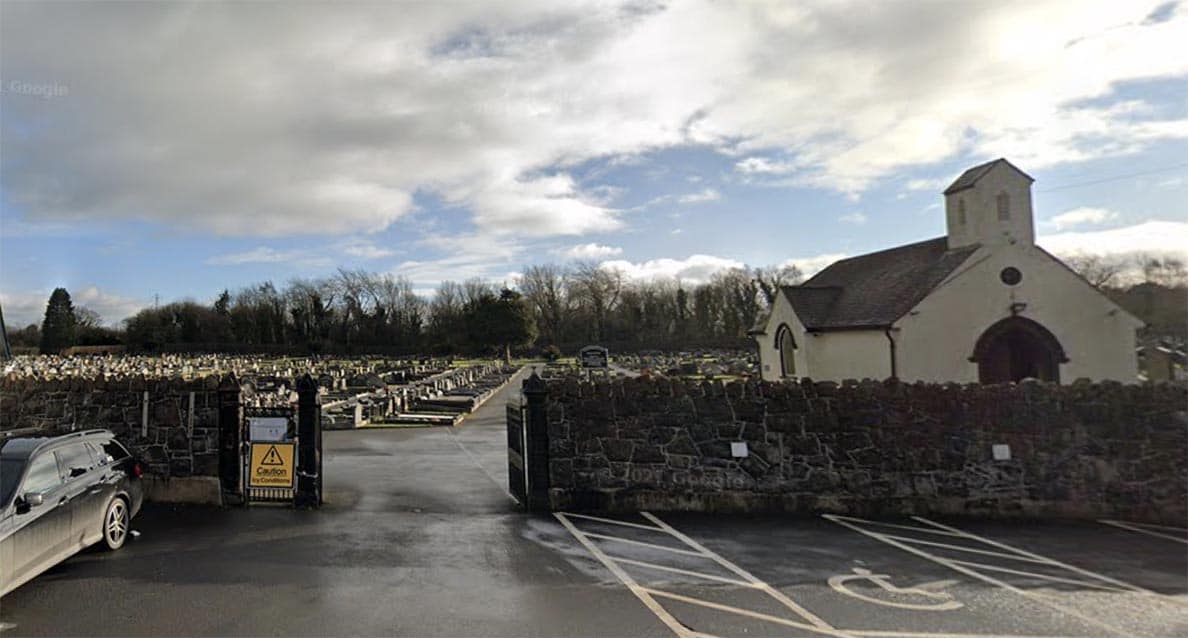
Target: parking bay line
744 612
771 591
904 527
629 541
611 521
1133 527
960 548
647 595
687 572
1056 563
656 608
1056 579
980 576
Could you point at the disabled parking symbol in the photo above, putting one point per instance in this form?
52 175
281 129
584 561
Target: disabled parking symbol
930 594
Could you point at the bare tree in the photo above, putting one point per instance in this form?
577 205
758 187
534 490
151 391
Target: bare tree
598 290
84 317
772 278
544 288
1163 270
1098 270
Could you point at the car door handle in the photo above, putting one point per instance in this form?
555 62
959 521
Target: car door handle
63 500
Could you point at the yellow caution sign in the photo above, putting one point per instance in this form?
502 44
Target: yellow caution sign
272 465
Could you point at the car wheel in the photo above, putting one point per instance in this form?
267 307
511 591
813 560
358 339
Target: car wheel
116 522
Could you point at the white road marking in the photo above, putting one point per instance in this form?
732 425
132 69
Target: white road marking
1136 527
648 595
687 572
980 576
771 591
629 541
611 521
5 626
1057 579
944 601
656 608
962 548
744 612
905 527
1050 561
878 633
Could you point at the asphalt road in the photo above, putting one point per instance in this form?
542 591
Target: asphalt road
419 538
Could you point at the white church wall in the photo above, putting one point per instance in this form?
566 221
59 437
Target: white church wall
769 354
936 339
848 354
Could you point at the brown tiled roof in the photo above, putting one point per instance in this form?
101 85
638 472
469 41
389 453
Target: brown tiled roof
972 175
874 290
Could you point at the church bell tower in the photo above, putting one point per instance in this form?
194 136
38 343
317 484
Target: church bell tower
990 204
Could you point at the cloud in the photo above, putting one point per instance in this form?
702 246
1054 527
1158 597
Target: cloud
701 197
590 251
333 124
763 166
24 308
933 185
853 218
465 256
1081 217
266 255
364 249
1153 237
694 269
812 265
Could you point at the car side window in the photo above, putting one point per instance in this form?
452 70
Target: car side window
114 450
101 457
43 475
75 460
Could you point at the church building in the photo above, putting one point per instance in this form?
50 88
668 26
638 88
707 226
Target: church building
981 304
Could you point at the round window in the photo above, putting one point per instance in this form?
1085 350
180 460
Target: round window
1010 276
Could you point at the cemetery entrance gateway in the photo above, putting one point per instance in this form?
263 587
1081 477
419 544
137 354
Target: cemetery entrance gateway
270 454
269 459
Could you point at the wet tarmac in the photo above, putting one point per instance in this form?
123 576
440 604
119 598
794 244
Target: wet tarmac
420 538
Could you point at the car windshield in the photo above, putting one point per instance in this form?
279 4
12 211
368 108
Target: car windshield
10 475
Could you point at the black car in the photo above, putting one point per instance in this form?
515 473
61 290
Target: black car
59 495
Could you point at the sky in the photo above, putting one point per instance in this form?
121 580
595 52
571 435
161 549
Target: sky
169 150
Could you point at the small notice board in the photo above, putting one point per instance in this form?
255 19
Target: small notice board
268 428
272 465
594 357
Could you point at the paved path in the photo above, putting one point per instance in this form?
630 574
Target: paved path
419 538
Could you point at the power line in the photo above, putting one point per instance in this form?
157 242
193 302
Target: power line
1114 178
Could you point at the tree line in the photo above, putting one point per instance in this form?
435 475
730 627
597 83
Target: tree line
550 307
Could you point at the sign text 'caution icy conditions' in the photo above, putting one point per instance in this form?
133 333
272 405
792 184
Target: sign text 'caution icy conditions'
272 465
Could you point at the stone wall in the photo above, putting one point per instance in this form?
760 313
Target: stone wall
1081 450
176 437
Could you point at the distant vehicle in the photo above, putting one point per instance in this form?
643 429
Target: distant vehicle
59 495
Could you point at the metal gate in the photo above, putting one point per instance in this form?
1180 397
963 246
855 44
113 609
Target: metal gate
517 459
269 455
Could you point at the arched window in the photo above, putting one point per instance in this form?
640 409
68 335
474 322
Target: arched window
961 212
1004 206
786 345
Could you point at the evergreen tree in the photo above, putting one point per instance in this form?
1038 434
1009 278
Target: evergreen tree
58 329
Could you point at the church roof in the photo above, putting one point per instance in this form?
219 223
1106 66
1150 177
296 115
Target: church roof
972 175
874 290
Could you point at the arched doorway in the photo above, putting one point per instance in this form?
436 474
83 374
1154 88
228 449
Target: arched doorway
1015 349
786 345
